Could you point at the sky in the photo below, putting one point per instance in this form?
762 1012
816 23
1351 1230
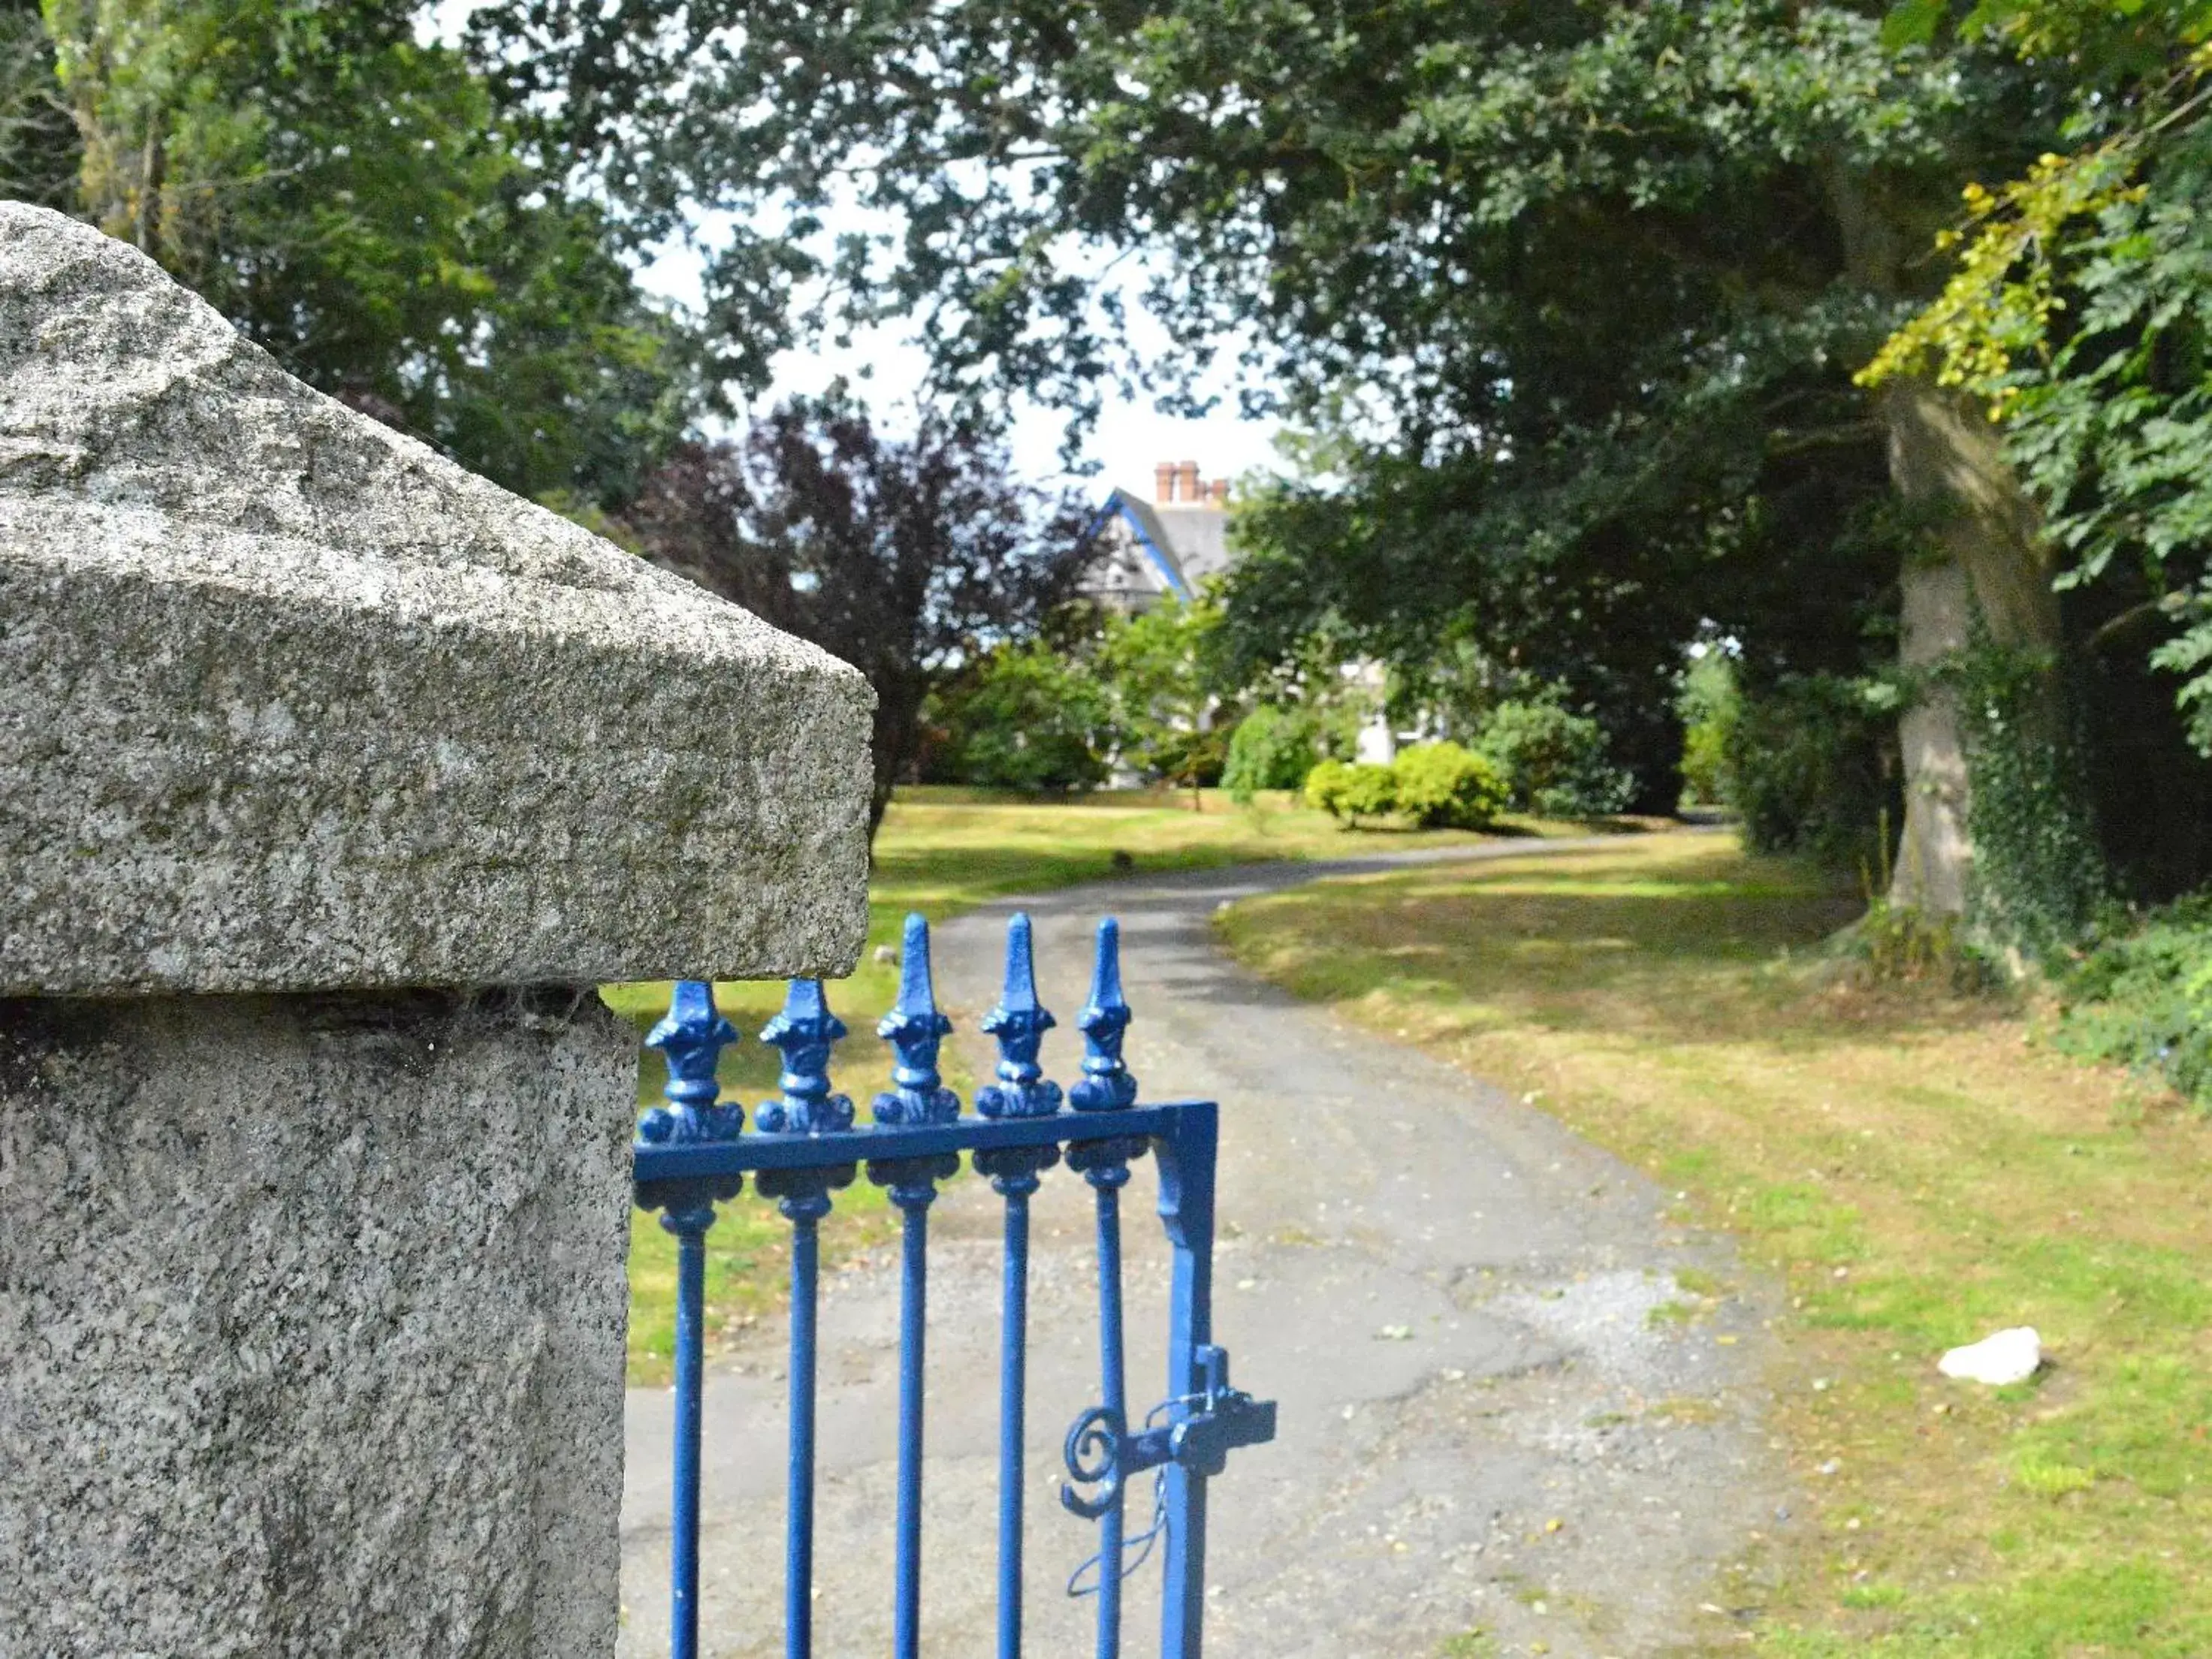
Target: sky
1130 438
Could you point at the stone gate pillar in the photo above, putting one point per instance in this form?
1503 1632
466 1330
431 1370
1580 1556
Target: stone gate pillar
332 778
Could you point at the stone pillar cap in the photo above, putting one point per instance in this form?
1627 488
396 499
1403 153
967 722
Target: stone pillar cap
290 701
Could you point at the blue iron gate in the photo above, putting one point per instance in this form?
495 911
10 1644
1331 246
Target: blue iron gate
693 1155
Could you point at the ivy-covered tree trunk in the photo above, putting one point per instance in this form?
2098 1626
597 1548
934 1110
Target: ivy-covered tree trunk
1982 575
1980 572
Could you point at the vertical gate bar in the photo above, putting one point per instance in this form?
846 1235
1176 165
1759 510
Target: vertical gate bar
1018 1023
690 1381
1187 1175
804 1032
1013 1379
1113 1381
1108 1087
690 1036
913 1305
798 1529
914 1027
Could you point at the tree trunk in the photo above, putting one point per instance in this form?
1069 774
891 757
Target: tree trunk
1982 552
1984 555
895 737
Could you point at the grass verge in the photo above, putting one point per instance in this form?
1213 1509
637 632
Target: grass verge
1916 1170
942 852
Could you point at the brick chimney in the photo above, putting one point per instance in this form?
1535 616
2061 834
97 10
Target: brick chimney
1164 483
1217 492
1186 483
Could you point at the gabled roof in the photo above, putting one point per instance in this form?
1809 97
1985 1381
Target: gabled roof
1199 535
1151 536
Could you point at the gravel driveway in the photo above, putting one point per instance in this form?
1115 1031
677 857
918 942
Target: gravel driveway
1483 1425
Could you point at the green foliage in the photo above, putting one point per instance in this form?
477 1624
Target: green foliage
1710 706
1272 748
2144 999
2112 437
1553 761
40 152
2080 306
1443 785
1160 668
356 202
1562 294
2039 876
1349 792
1806 762
2001 300
1025 717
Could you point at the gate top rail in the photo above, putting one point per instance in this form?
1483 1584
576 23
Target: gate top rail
744 1154
810 1125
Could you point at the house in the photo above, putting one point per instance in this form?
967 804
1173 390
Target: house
1173 543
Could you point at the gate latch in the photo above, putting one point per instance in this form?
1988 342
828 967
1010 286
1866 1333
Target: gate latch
1102 1453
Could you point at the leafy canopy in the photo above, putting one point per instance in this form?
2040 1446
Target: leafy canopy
2079 307
909 558
359 204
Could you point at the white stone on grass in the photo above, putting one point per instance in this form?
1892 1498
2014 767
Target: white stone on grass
2008 1357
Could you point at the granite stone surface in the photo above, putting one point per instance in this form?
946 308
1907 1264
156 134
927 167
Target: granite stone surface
290 701
311 1325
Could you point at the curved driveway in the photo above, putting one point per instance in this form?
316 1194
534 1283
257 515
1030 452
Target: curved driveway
1483 1424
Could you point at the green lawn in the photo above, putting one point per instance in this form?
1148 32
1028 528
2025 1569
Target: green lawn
1913 1171
942 851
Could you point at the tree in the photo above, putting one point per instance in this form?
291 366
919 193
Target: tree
1160 668
40 157
1272 748
1595 278
356 202
1027 716
2076 316
909 558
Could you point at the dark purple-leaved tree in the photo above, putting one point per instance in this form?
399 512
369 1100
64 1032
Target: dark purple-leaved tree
906 556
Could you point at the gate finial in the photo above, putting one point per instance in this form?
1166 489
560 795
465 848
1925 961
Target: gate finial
691 1036
804 1031
1020 1023
1108 1085
914 1027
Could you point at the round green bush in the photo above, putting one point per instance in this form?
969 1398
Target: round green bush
1802 764
1554 762
1442 785
1271 749
1349 794
1021 718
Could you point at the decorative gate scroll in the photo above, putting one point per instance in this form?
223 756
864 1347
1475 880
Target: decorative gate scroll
692 1155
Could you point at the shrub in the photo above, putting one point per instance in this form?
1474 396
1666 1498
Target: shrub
1803 765
1442 785
1554 760
2145 1000
1709 706
1191 760
1704 762
1349 794
1271 749
1023 718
